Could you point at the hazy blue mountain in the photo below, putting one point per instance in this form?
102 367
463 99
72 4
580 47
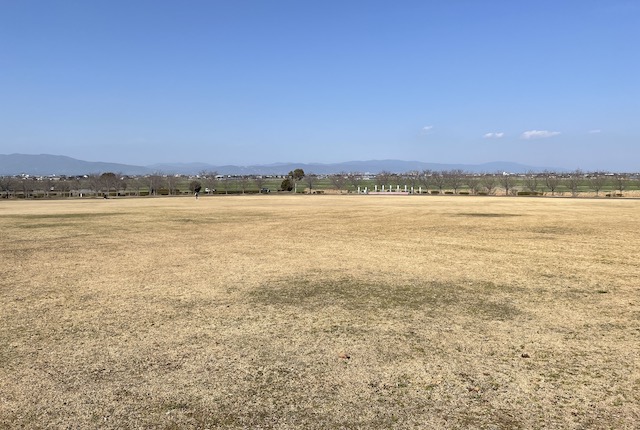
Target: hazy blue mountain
371 166
43 164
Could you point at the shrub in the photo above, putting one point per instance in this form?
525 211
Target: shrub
286 185
435 192
529 193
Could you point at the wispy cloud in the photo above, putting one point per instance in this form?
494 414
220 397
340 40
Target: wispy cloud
427 129
595 131
493 135
538 134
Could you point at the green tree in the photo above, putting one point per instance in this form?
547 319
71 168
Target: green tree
195 186
295 176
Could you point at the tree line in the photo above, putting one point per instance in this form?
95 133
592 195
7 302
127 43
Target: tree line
426 181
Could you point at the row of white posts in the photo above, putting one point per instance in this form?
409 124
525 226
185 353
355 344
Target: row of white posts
365 190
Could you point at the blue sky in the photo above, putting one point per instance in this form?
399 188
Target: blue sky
545 83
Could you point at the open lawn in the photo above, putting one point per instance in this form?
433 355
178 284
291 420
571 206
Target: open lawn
320 312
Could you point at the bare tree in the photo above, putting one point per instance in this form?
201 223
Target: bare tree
172 184
154 181
382 178
259 181
439 180
620 182
551 181
508 182
135 184
110 181
489 182
94 184
45 185
77 184
455 179
339 181
426 178
243 182
474 184
573 181
225 184
355 180
310 179
597 182
210 180
26 185
413 177
6 185
531 181
65 187
38 188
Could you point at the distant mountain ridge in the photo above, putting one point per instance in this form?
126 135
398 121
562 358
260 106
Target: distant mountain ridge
370 166
47 165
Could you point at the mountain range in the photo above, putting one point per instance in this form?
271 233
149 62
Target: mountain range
48 165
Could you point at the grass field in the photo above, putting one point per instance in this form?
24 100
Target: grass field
320 312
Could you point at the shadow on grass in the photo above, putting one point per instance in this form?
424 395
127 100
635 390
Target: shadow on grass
356 295
487 215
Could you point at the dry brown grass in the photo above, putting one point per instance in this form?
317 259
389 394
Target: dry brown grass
320 312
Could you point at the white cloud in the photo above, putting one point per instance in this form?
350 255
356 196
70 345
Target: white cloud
427 128
595 131
538 134
493 135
